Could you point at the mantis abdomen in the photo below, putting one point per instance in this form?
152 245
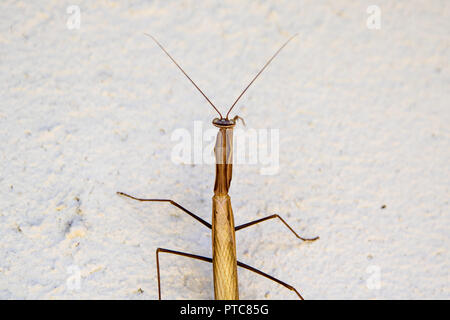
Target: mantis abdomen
224 250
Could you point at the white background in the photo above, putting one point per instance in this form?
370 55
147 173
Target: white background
363 117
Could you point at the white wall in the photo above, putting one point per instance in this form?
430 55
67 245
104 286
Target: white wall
363 117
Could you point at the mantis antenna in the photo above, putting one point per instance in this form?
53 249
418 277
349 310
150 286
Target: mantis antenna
242 93
159 45
260 71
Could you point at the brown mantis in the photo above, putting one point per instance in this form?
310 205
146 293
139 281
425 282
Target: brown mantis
224 258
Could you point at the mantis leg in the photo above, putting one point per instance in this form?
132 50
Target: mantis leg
288 286
240 264
172 203
193 256
245 225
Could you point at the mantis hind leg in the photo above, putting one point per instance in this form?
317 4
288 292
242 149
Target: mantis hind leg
179 253
240 264
284 284
245 225
207 224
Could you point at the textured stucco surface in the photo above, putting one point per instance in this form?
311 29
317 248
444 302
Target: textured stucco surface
363 117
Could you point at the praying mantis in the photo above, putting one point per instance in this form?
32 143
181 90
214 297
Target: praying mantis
224 259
